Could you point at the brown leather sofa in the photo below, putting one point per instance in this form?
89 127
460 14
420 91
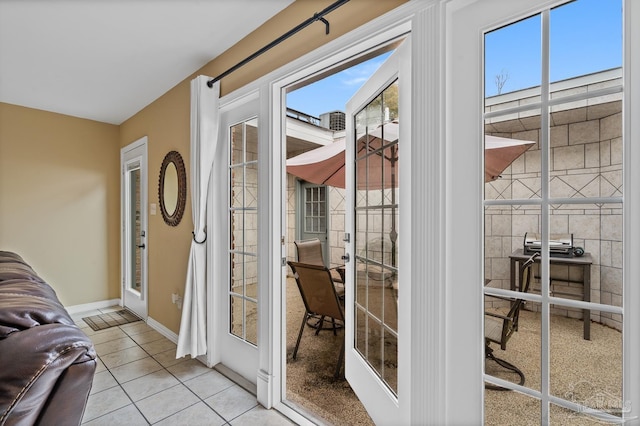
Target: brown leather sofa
46 362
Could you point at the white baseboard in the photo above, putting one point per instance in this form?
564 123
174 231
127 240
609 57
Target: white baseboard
86 307
162 330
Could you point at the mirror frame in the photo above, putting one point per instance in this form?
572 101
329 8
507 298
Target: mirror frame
175 218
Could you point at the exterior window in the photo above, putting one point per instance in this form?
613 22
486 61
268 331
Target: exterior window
243 249
553 187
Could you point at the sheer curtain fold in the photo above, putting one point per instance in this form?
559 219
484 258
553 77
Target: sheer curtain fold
192 339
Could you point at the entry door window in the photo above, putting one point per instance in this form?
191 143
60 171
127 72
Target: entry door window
243 248
553 189
136 234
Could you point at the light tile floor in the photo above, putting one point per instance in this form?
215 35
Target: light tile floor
139 382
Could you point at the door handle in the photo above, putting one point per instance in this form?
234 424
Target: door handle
141 246
345 257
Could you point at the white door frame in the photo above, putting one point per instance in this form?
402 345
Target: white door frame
423 354
138 303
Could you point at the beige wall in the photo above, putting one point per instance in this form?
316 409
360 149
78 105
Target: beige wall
166 123
60 200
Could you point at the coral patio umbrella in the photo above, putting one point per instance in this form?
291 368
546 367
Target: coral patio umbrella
499 153
326 165
323 166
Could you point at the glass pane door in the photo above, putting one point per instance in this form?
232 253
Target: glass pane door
376 235
134 228
553 204
374 315
243 247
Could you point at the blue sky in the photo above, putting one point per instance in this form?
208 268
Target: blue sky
585 37
333 92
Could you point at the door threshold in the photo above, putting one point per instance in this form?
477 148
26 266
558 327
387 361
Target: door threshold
304 412
236 378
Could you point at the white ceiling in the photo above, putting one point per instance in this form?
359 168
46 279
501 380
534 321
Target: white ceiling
105 60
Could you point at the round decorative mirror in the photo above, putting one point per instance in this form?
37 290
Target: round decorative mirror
172 188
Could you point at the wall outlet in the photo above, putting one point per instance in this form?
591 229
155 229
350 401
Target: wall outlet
176 299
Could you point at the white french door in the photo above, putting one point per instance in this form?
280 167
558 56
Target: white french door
134 227
599 221
377 312
235 251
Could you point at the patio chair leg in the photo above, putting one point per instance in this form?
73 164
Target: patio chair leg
304 320
333 321
504 364
320 325
340 361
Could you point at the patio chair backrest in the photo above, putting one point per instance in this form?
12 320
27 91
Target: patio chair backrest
310 251
316 288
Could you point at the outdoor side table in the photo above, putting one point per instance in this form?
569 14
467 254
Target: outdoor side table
518 257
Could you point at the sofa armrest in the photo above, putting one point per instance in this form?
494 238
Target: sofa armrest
43 366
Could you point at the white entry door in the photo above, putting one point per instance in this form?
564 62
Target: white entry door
133 159
234 251
377 314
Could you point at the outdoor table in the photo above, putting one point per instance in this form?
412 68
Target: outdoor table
518 257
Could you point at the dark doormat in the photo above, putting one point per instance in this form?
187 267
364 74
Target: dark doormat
110 319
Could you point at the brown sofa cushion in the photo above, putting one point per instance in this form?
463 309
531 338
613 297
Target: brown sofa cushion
46 362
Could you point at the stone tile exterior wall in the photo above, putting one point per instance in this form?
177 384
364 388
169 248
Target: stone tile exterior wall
585 161
337 203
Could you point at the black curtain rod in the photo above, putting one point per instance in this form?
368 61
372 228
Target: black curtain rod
316 17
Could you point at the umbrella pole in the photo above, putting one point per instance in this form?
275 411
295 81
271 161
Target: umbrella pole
393 235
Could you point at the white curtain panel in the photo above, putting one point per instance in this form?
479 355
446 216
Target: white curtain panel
192 339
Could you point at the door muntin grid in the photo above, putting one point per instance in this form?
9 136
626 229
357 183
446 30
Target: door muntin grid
315 210
568 185
243 231
376 234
